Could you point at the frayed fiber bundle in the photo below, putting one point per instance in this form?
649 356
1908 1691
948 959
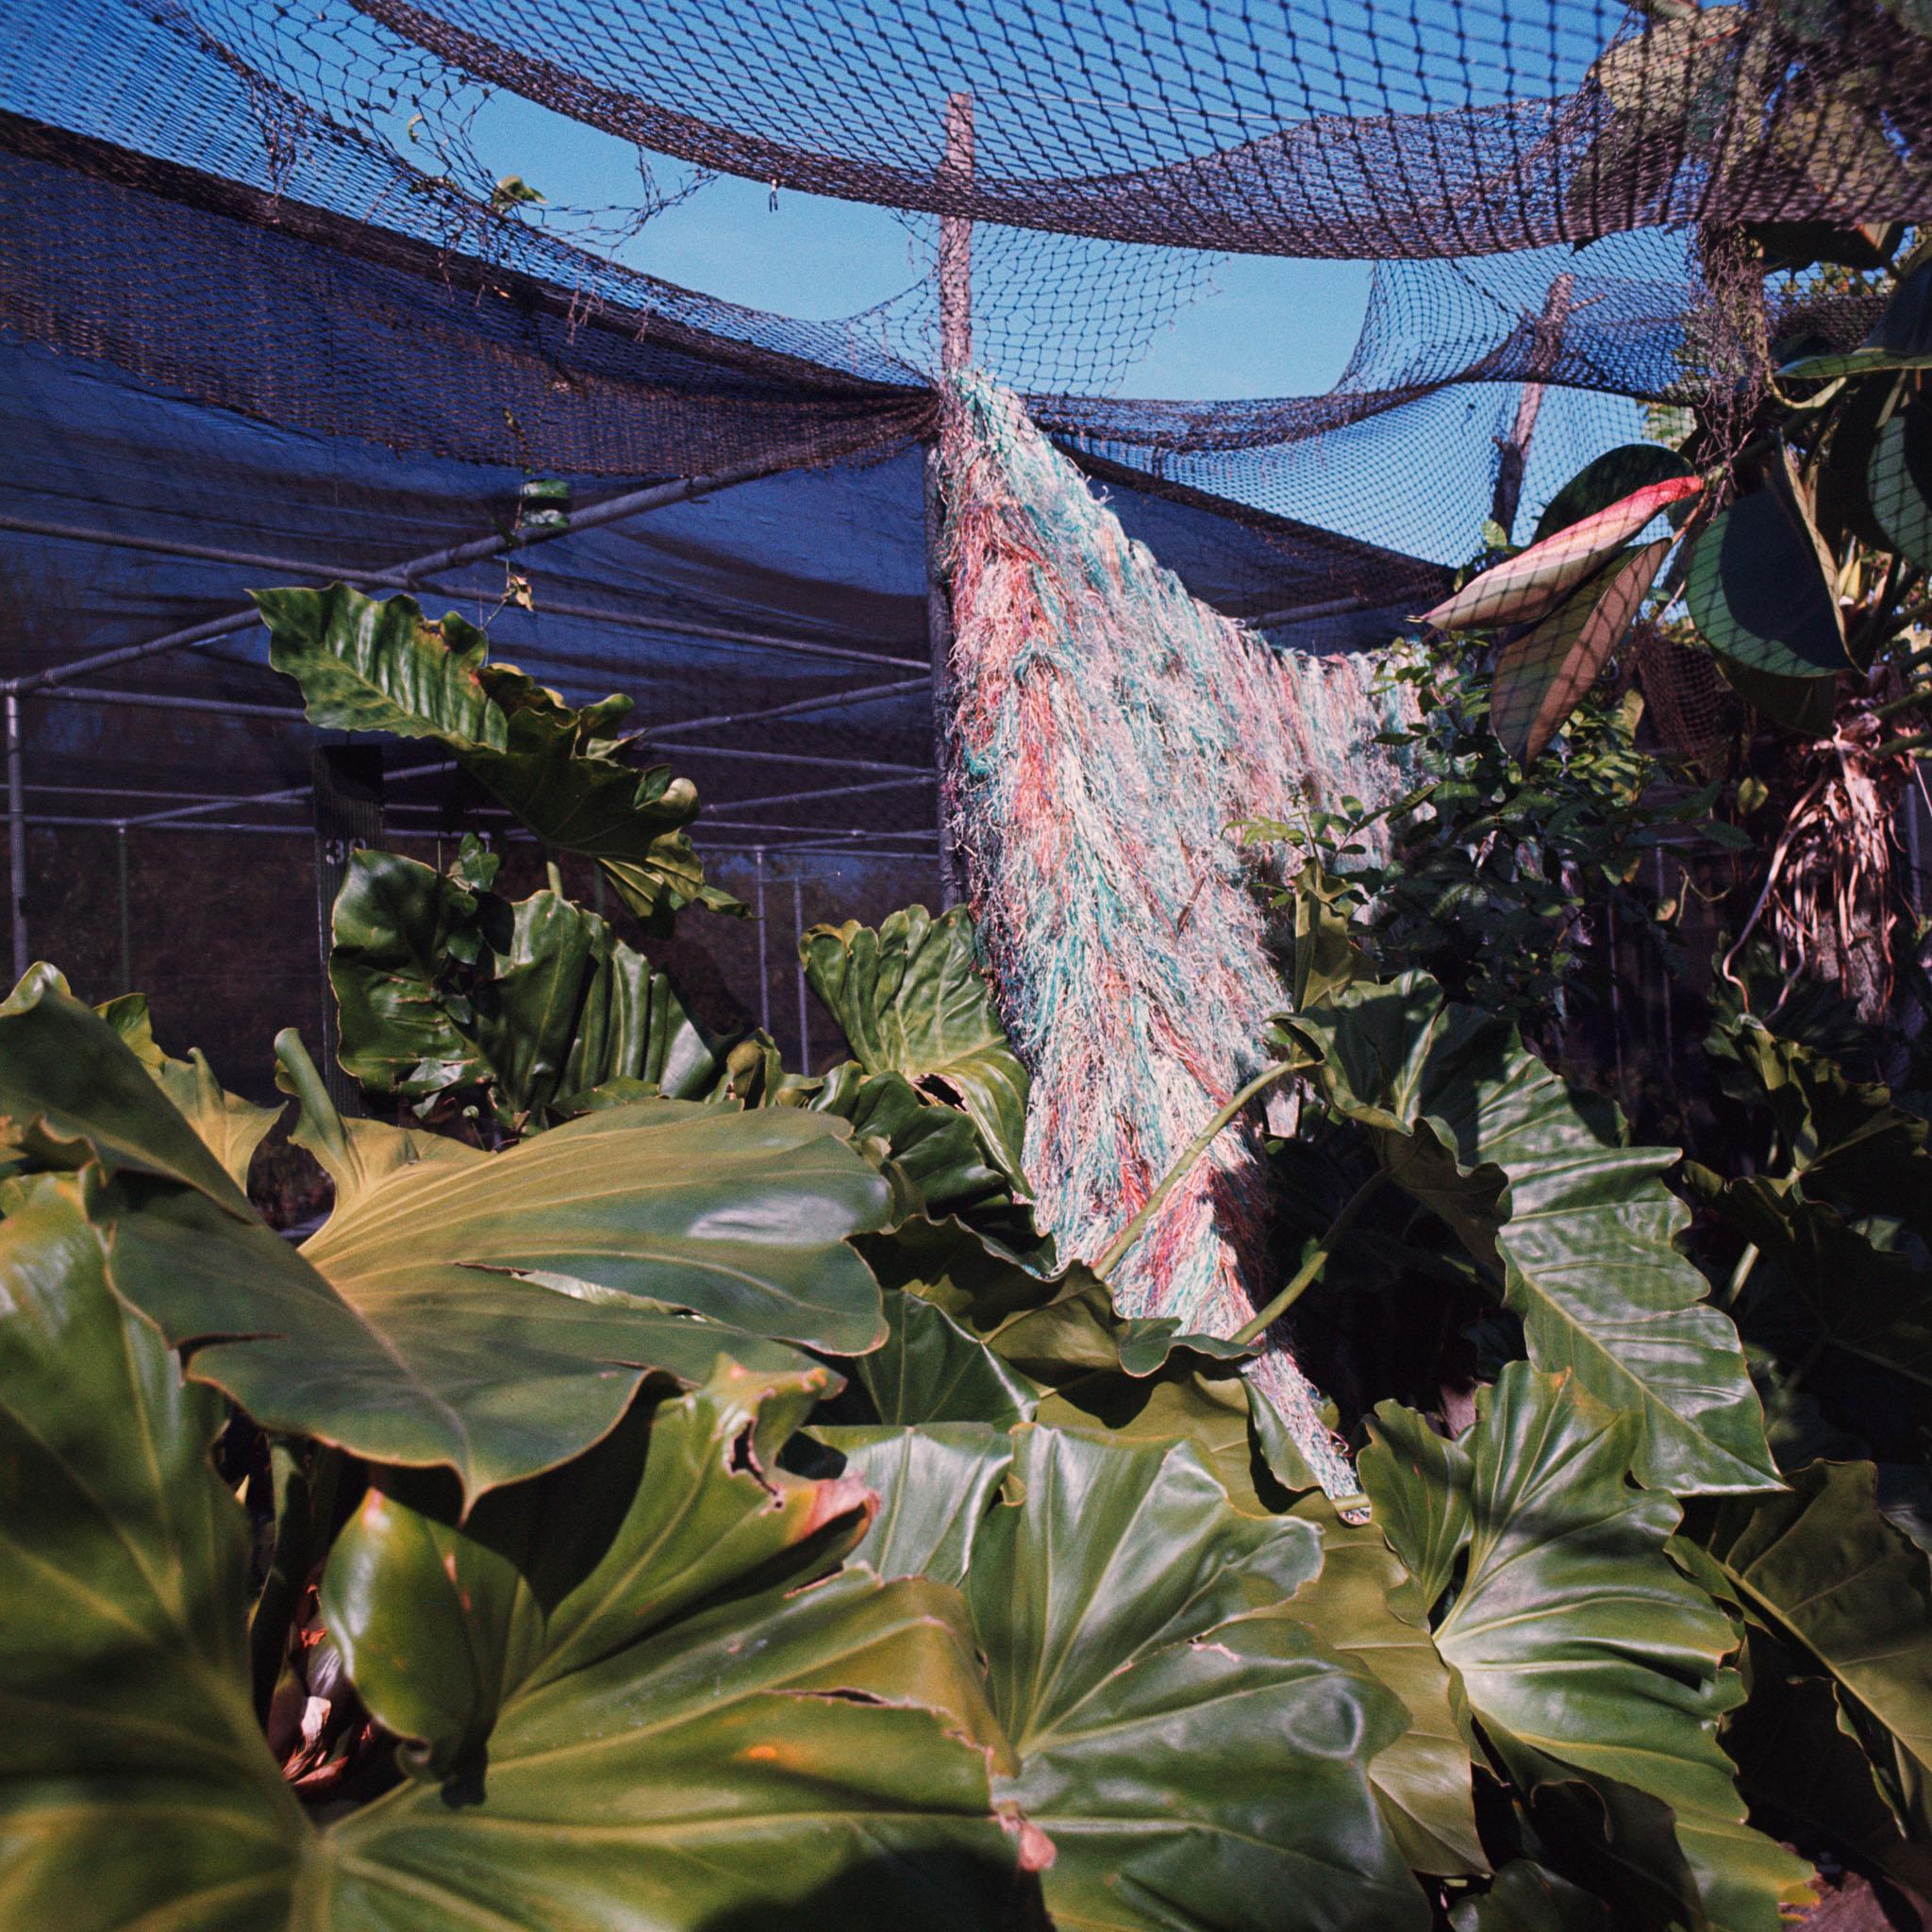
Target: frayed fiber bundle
1108 729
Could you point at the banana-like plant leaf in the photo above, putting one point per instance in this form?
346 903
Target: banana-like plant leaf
1899 480
911 1000
441 983
1763 589
1197 1764
1608 479
1365 1604
1533 582
1823 1569
368 664
1535 1179
1526 1897
1901 337
1542 675
936 1483
1582 1650
494 1312
134 1785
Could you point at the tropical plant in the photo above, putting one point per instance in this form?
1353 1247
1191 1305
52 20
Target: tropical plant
712 1504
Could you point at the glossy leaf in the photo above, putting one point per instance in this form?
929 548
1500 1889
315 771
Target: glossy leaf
367 664
1528 1898
1196 1765
441 983
1420 1484
134 1785
1575 1226
1541 676
1608 479
494 1312
1899 480
911 1000
1533 582
936 1484
930 1369
1365 1604
1581 1648
1825 1571
1761 589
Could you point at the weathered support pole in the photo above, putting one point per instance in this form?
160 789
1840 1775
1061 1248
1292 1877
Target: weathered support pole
348 818
798 956
1546 346
956 356
16 839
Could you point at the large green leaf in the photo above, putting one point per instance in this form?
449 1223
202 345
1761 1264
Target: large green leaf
1531 584
936 1483
1527 1898
1823 1570
134 1786
366 664
1899 480
493 1312
1534 1177
1365 1604
640 1726
441 983
1542 675
1798 1762
1197 1764
1582 1650
930 1369
911 1000
1761 588
1420 1484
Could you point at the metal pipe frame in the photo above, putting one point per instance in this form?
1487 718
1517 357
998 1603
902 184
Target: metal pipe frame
433 564
865 692
288 566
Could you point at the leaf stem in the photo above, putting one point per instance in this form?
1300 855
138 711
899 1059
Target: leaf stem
1310 1270
305 1502
1116 1248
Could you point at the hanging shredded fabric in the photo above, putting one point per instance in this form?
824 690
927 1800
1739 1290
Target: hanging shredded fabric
1108 729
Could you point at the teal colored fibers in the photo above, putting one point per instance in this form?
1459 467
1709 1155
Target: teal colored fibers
1110 730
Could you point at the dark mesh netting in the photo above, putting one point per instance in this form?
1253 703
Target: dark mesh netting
269 314
1353 129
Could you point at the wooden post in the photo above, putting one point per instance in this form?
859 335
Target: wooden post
1546 345
348 818
955 355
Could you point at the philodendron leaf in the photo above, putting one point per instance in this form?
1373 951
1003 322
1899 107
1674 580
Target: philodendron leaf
544 1004
495 1313
366 664
1761 589
935 1482
228 1126
930 1369
1365 1604
912 1001
1542 675
1527 1898
134 1785
1197 1762
1576 1227
1582 1650
674 1741
1823 1570
1533 582
1420 1484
